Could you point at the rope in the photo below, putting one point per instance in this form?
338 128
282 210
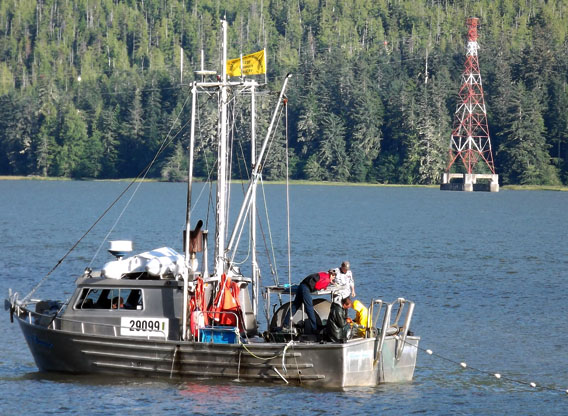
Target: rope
498 376
239 368
173 361
291 342
261 358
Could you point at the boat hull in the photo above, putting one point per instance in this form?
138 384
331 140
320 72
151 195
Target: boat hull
329 365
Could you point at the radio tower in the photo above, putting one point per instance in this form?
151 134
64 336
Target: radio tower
470 140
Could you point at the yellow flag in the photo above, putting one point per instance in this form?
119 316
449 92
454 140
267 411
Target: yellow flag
253 64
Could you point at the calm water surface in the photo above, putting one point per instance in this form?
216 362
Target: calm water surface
488 273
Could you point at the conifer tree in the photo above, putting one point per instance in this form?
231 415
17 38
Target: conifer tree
524 152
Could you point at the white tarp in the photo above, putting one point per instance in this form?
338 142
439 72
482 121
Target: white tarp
157 262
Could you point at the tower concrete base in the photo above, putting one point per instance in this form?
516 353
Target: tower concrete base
468 182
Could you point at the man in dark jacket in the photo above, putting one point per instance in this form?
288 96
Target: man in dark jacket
311 283
336 321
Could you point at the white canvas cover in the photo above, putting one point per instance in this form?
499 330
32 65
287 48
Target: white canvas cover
156 262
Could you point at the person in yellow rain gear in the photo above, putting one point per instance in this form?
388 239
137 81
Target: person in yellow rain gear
361 317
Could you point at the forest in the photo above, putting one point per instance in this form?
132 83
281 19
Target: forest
98 88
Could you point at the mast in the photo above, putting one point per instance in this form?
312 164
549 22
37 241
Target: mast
226 244
220 223
190 176
189 264
255 283
222 258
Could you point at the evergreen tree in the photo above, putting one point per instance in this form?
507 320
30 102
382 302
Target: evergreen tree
108 129
332 155
524 152
556 122
175 168
75 153
132 144
17 124
430 124
367 120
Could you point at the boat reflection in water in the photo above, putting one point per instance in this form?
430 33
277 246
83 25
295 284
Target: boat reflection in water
161 313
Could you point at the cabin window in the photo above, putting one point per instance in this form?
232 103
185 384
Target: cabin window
110 299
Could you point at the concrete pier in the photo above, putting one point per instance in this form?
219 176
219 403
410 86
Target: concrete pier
468 182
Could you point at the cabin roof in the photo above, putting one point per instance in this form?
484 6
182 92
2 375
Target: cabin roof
104 282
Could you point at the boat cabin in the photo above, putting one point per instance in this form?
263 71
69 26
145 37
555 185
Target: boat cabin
146 308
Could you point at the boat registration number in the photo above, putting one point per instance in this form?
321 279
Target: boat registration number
144 327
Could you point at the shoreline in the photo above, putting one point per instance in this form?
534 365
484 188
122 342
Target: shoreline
558 188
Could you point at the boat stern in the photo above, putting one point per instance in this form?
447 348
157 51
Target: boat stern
395 369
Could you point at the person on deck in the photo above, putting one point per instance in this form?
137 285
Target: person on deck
337 320
311 283
361 318
344 279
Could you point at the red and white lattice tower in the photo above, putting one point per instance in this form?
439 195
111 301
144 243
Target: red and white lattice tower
470 140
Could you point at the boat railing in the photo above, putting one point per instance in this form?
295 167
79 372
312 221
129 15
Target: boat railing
219 333
54 322
389 326
212 312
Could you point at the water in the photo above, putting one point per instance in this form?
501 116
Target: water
487 272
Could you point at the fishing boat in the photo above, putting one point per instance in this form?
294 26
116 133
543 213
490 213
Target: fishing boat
164 313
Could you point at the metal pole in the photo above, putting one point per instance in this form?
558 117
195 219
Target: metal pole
253 204
222 168
188 210
190 173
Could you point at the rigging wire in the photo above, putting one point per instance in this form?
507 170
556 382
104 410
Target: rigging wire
164 144
210 171
274 268
142 175
243 160
288 237
272 259
249 245
233 130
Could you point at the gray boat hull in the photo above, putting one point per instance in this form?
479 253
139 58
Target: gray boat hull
329 365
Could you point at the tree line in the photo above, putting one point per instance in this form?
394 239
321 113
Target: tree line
94 88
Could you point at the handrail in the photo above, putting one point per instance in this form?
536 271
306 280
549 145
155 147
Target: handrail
22 312
237 330
372 309
388 323
401 302
406 327
225 312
